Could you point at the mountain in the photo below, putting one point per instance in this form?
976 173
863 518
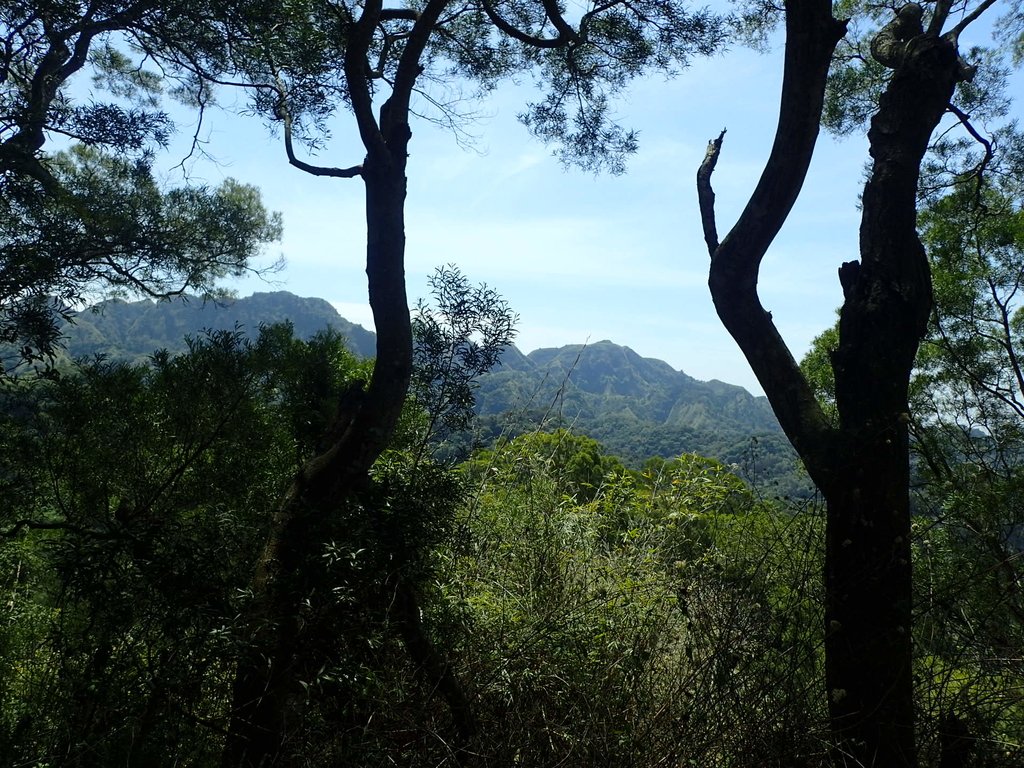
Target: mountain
125 330
637 407
605 378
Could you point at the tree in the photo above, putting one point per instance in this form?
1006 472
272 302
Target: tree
457 341
138 498
860 463
576 464
303 61
965 446
968 432
970 378
635 619
92 218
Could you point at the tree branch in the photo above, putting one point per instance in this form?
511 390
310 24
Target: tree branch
517 34
939 16
315 170
811 37
36 525
565 32
409 65
954 33
356 77
965 121
706 195
597 9
392 14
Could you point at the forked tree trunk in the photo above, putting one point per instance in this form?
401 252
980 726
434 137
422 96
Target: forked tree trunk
267 697
861 465
267 694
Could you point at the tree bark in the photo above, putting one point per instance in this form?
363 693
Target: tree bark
861 465
868 612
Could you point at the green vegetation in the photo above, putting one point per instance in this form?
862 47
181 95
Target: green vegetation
263 550
586 612
591 612
636 407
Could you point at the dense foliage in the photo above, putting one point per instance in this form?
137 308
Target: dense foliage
575 597
589 613
247 553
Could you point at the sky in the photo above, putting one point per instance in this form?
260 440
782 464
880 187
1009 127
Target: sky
581 258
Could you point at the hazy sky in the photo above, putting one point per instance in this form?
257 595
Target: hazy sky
578 257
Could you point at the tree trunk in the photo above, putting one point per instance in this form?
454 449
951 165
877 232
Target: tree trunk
267 695
861 465
868 612
868 671
433 666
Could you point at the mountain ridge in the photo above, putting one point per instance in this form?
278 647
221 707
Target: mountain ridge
638 407
140 327
307 314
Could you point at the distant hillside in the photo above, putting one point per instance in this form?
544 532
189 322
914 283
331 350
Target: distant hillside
637 407
125 330
605 378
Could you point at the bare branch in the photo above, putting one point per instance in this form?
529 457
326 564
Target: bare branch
706 195
392 14
409 65
811 37
36 525
316 170
979 170
954 33
355 67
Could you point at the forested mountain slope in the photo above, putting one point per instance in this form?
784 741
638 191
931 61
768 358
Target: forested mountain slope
637 407
605 379
126 330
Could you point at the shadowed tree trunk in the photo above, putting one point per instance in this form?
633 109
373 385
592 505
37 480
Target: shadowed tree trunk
887 300
267 698
860 464
266 694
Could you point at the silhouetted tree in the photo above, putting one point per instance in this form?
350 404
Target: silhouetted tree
303 61
860 463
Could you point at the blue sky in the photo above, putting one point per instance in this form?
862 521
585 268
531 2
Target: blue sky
578 257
